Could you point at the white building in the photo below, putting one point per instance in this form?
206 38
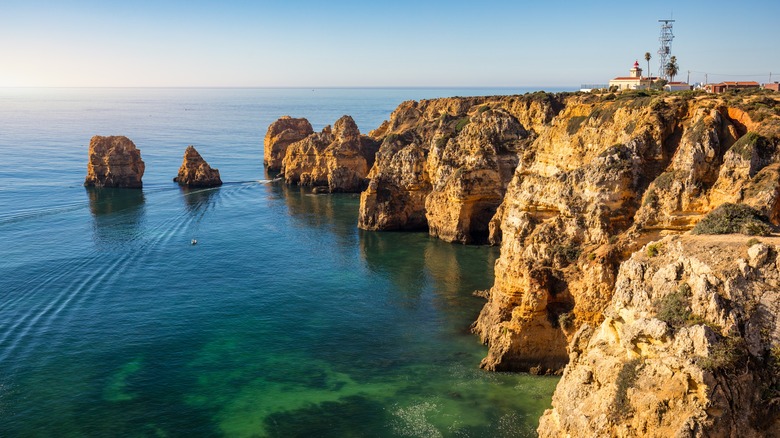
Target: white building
677 86
634 80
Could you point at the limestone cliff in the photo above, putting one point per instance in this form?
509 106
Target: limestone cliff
196 172
569 185
279 136
114 161
605 177
689 347
337 158
444 164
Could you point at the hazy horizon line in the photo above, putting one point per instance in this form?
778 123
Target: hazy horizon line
335 87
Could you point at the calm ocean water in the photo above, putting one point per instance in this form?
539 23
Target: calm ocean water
284 320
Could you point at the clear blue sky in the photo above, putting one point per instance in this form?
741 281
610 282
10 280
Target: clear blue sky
375 43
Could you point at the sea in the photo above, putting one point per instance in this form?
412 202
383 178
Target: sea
284 320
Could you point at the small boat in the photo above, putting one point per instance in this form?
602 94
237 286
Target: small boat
194 242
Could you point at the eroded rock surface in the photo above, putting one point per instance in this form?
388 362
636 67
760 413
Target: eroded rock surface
444 164
603 179
337 158
196 172
690 346
279 136
114 161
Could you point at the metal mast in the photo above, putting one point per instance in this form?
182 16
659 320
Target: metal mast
665 52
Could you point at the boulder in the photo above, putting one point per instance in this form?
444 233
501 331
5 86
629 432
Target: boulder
337 158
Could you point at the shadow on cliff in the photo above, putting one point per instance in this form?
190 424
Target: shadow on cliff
116 213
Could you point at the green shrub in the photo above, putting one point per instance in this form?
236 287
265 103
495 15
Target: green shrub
651 198
654 249
442 141
726 355
566 320
752 241
665 180
746 144
392 138
574 124
462 124
569 253
734 218
626 379
673 309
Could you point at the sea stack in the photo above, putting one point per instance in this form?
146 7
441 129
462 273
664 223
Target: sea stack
196 172
279 136
335 160
114 161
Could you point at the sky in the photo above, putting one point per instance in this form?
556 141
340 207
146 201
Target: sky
365 43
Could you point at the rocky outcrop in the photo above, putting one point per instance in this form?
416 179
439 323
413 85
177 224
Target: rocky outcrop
444 164
569 185
689 347
337 159
604 178
196 172
114 162
279 136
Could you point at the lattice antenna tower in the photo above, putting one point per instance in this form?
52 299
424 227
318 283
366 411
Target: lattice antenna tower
665 52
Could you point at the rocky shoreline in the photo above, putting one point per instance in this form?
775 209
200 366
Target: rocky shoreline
576 189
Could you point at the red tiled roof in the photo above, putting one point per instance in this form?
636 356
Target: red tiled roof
737 83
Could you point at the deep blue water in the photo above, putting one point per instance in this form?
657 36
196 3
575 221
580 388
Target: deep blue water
284 319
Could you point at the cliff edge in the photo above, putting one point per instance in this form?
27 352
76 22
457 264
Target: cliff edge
689 347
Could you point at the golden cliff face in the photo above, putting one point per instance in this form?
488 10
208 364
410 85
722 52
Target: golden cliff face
690 346
444 164
569 185
605 177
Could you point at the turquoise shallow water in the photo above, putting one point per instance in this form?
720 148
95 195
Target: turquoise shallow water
284 320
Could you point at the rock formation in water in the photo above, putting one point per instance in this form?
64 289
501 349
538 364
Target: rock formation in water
196 172
337 159
689 347
114 162
279 136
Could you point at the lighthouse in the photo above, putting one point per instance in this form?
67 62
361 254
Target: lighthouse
636 71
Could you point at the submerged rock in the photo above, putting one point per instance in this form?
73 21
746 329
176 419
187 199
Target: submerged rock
114 161
279 136
196 172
